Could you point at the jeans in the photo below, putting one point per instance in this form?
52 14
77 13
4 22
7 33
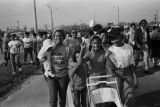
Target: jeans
6 57
144 50
26 51
15 61
80 98
58 86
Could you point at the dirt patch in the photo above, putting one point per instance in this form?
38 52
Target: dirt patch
9 82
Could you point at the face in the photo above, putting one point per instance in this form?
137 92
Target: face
103 37
13 37
96 45
26 35
74 33
44 37
143 24
58 37
133 26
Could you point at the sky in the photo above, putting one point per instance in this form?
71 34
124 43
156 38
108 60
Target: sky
69 12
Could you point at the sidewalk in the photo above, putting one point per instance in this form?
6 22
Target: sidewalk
33 93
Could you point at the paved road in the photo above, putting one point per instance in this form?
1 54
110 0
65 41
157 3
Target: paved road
34 92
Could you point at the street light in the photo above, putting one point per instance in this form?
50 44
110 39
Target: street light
51 16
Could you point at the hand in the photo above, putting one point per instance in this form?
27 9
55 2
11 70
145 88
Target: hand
46 74
49 74
44 59
83 45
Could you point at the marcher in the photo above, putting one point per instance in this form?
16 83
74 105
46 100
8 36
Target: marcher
142 40
1 41
74 41
28 49
132 34
96 58
78 74
122 68
14 49
105 39
6 48
35 47
60 55
155 43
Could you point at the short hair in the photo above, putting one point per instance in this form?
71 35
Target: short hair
133 24
155 27
34 34
61 31
26 33
143 20
116 34
103 31
97 27
95 38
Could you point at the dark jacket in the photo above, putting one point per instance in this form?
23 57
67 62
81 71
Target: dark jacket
139 37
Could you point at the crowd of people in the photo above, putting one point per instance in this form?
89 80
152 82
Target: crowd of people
75 56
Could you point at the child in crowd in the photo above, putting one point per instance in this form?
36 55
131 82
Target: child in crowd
97 61
14 48
78 75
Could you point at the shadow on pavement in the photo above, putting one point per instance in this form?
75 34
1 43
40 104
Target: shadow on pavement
151 99
140 72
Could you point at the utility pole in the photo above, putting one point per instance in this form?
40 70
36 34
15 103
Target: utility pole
118 14
51 16
35 16
157 16
17 25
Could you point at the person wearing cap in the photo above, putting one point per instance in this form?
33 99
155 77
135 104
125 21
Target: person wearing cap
14 49
28 49
6 54
58 84
142 40
121 66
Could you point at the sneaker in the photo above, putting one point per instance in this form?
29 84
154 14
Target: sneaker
13 73
20 69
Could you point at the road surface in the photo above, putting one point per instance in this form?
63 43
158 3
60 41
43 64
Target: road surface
34 92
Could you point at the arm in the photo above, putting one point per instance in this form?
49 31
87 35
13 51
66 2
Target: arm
73 70
132 68
109 66
41 55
